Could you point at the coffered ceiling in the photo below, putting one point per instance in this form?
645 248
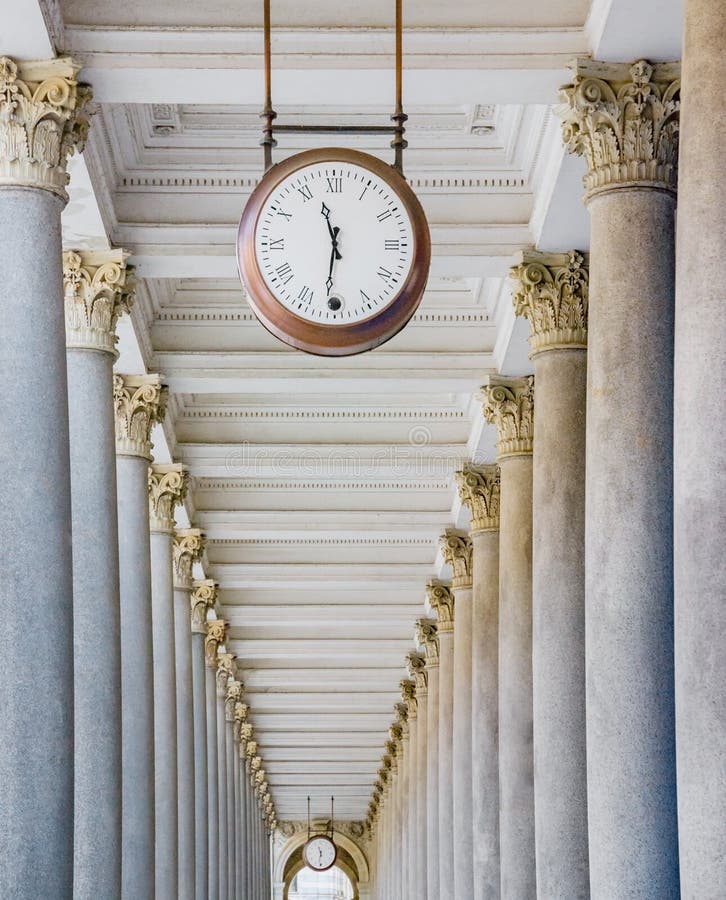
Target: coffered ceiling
323 485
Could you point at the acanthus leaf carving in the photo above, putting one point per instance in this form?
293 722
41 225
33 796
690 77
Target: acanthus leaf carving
551 292
139 404
42 122
225 668
408 696
216 635
168 485
624 119
416 665
441 600
479 490
98 287
203 598
427 636
233 695
509 405
456 548
188 548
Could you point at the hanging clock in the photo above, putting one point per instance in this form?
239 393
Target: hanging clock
320 853
334 250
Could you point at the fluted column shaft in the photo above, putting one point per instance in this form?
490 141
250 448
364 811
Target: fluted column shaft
432 779
551 290
700 456
139 403
446 773
36 743
221 759
97 291
167 487
201 776
405 770
229 759
414 724
212 784
188 547
421 845
238 828
629 488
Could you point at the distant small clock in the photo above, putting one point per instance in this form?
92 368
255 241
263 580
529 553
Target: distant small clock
320 853
334 251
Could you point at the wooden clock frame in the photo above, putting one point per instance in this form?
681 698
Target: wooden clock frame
316 837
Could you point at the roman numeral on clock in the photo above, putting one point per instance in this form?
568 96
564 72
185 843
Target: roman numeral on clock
305 295
392 245
335 185
382 216
306 193
277 244
284 273
383 273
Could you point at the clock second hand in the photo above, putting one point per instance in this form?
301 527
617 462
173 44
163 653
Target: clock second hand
334 253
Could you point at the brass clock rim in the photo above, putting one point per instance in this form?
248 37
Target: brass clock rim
317 837
344 339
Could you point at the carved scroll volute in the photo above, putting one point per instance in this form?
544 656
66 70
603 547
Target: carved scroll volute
408 696
203 598
427 637
42 122
168 485
457 552
416 665
624 119
479 490
216 636
441 600
508 403
139 404
188 548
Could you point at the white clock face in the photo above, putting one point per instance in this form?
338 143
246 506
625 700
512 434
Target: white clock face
320 853
334 243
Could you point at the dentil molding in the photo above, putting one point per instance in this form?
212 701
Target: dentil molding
479 490
624 119
98 287
139 404
168 485
441 600
551 291
508 403
41 122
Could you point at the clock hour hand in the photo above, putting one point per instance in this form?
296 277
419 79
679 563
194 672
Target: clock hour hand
329 282
334 232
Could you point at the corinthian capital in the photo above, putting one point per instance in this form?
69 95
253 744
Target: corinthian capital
509 404
441 600
251 750
551 291
624 119
427 637
225 669
456 550
168 486
203 598
408 695
479 491
232 696
41 122
416 665
139 402
216 635
98 287
188 548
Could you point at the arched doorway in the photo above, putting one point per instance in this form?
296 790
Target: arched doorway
351 861
331 885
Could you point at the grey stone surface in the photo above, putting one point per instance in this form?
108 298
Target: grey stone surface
516 776
405 787
244 832
212 784
201 796
558 613
628 547
446 772
36 640
420 834
222 798
414 725
96 627
186 776
700 456
137 681
462 753
231 834
165 737
432 783
485 714
238 832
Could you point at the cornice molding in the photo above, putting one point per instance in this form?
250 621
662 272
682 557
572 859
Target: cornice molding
551 290
508 403
98 288
42 122
624 119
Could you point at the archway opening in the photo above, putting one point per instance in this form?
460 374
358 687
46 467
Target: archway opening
331 885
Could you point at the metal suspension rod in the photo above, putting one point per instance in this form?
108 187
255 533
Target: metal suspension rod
268 113
399 143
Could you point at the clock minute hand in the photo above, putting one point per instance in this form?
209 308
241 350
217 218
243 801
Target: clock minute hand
334 232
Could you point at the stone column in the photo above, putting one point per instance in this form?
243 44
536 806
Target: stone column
408 695
238 723
187 549
479 490
441 601
391 763
700 457
167 489
202 599
551 291
216 635
233 696
417 670
509 404
624 120
245 731
456 550
41 124
427 638
251 752
404 769
225 668
98 288
140 401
